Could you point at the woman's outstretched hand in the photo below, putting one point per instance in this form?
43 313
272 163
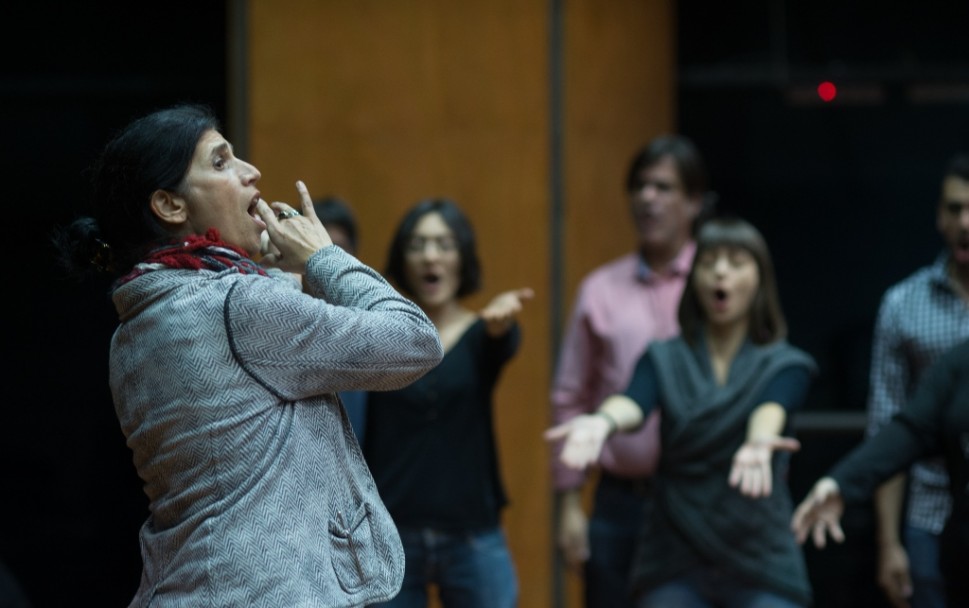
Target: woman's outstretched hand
503 309
819 514
582 439
751 472
292 235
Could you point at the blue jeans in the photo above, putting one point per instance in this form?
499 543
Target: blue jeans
928 585
470 569
708 587
613 531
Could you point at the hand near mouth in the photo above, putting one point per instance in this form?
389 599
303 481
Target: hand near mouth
292 237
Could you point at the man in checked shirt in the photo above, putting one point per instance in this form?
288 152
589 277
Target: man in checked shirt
919 318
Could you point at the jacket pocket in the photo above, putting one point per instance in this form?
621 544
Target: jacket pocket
351 537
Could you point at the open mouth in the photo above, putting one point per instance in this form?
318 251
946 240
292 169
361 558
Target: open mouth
961 249
430 278
646 218
253 213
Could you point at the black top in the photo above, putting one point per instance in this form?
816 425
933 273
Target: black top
431 446
934 423
696 518
788 388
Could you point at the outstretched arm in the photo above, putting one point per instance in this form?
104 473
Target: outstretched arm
585 435
502 311
751 472
820 514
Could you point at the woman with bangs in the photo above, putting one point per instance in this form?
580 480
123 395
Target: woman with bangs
717 534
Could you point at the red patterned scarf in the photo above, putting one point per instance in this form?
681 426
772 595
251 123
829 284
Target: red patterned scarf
196 252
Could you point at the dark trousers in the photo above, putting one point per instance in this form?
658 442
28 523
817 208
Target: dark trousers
613 530
470 569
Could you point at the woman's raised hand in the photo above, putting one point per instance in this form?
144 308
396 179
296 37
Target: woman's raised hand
293 234
503 309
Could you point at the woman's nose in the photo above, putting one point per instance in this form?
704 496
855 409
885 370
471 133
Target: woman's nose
431 250
647 193
250 173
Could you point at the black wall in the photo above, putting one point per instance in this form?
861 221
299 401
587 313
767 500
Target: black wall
846 197
72 73
845 192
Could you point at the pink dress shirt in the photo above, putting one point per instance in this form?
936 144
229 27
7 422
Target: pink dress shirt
621 307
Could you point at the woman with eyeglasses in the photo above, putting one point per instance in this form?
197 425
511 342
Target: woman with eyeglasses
431 445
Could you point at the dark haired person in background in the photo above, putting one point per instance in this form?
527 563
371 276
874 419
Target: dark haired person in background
339 221
12 594
224 373
716 532
919 318
934 422
341 225
432 445
620 308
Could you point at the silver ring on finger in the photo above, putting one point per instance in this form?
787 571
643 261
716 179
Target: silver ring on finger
285 215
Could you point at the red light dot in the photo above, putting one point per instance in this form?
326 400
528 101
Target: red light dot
827 91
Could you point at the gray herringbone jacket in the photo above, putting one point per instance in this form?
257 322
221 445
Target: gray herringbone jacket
224 385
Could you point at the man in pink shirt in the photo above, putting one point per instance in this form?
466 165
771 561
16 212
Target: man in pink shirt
621 307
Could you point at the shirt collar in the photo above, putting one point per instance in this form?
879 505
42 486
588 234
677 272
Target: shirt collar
939 271
679 267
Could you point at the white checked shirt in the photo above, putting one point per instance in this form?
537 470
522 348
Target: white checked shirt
920 318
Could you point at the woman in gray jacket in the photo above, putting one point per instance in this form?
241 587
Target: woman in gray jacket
224 373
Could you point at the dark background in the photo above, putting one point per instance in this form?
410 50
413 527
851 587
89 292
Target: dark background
845 193
72 73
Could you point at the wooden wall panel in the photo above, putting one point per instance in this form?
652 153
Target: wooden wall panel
385 103
619 93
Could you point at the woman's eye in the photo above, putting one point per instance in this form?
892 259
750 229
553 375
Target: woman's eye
220 162
740 258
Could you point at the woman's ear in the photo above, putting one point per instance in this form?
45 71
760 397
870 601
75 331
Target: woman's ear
168 207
